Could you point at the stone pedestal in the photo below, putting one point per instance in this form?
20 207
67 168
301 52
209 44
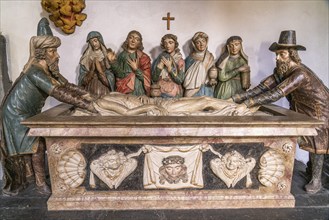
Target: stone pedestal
87 174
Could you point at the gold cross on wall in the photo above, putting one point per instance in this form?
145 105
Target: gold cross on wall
168 19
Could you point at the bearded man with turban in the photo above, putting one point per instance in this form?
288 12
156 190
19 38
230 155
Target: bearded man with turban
39 79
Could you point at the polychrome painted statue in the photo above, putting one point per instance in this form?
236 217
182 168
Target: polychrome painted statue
197 65
95 74
233 70
39 79
306 94
168 68
132 68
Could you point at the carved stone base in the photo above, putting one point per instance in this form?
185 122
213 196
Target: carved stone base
241 162
182 199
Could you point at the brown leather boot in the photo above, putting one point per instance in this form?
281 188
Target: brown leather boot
38 162
14 175
29 169
315 185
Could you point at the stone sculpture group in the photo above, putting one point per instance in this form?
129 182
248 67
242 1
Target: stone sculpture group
130 84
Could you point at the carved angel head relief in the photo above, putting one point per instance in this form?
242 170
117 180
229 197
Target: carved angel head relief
112 168
232 167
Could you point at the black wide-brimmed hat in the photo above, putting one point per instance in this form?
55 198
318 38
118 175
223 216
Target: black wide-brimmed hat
287 40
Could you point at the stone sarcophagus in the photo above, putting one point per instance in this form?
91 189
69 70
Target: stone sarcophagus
171 162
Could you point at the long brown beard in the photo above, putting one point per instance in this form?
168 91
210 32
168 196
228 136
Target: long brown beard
53 66
282 67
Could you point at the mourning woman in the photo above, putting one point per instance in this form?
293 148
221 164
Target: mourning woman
168 68
197 64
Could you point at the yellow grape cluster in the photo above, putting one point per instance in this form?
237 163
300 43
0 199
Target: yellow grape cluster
65 14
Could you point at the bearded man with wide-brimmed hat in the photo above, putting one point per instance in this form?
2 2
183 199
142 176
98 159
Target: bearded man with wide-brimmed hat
39 79
306 94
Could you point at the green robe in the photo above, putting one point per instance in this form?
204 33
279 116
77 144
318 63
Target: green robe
229 79
25 100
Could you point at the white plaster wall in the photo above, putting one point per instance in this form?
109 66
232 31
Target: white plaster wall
259 23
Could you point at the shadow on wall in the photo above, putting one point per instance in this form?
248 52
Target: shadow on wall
219 50
187 48
266 62
77 70
155 52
